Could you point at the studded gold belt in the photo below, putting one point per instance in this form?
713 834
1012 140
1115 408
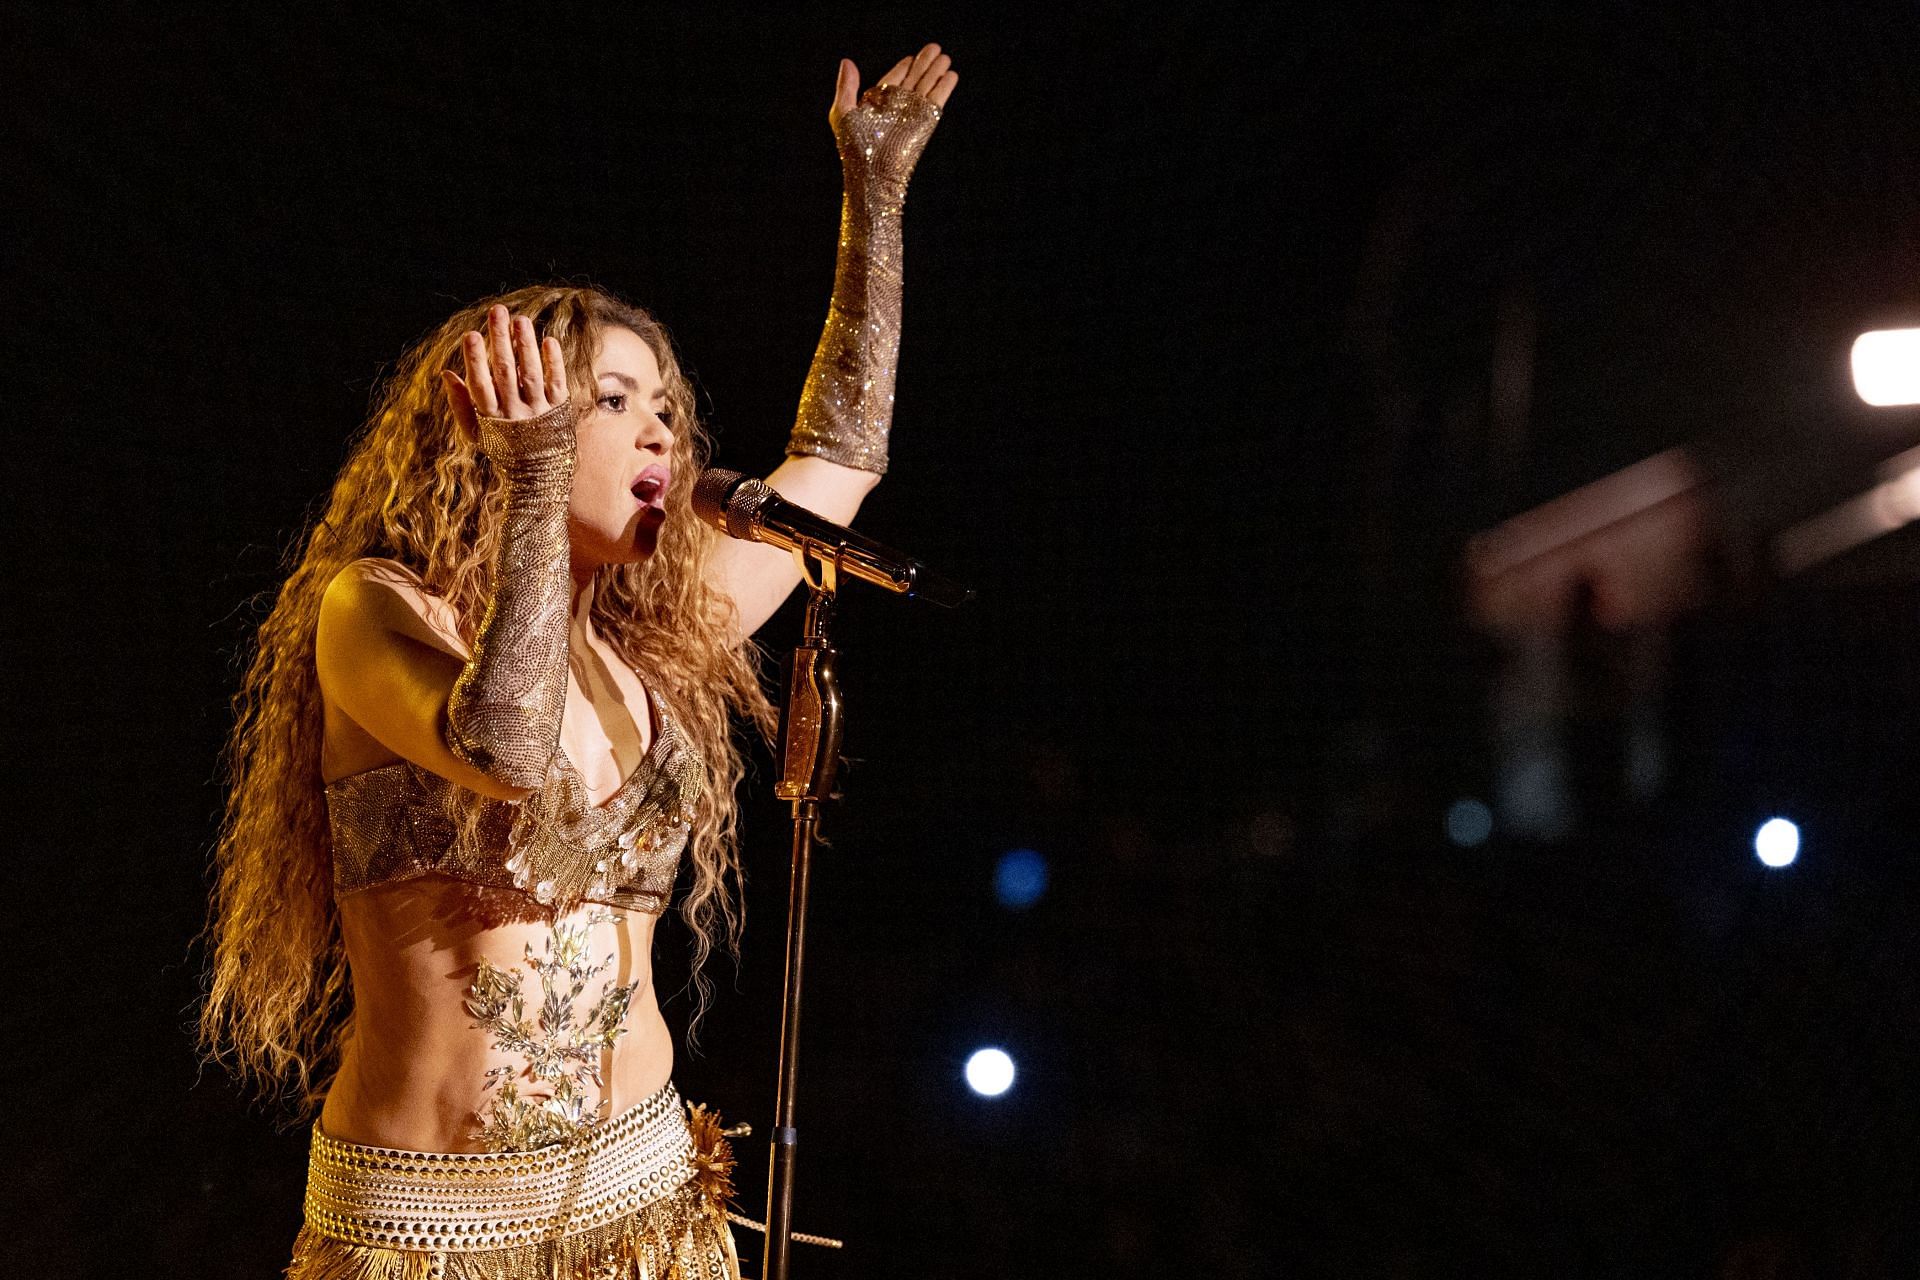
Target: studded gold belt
464 1203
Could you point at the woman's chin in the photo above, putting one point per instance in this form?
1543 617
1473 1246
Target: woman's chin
632 547
636 552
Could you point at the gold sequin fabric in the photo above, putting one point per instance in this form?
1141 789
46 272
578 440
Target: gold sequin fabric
847 406
503 715
400 821
643 1197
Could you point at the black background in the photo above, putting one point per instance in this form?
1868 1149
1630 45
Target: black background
1216 673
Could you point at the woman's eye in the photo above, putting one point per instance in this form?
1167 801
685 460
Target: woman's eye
665 415
615 404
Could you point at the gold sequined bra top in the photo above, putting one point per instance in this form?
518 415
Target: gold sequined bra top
399 821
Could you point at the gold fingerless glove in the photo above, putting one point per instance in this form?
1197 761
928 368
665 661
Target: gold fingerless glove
503 716
847 405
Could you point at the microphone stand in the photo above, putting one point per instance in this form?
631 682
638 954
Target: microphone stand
810 731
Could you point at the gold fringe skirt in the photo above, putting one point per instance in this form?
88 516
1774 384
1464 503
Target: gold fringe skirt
642 1197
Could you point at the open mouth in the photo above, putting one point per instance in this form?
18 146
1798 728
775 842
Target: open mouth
650 488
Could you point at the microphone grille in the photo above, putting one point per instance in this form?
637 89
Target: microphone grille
730 502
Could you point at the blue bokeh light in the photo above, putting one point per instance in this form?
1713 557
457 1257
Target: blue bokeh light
1019 879
1469 822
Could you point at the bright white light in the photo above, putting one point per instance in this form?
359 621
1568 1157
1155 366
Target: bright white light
1886 366
1777 842
989 1073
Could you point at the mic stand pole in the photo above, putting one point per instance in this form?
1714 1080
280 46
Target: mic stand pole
810 751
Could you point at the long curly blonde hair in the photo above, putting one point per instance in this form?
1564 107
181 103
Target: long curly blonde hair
416 489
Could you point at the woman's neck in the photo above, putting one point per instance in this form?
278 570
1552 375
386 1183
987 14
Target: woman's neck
581 607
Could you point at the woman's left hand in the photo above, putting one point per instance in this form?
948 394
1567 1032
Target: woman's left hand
927 73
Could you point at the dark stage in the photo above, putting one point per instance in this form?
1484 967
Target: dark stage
1227 331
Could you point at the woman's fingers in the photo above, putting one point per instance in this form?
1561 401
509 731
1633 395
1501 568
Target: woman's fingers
921 61
929 75
506 376
532 384
510 374
556 366
462 402
846 91
479 380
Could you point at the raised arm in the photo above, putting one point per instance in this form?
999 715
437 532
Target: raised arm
838 450
491 724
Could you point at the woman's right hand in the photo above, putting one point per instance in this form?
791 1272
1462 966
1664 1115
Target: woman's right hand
510 376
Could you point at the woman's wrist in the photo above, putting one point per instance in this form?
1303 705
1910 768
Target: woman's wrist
880 141
531 452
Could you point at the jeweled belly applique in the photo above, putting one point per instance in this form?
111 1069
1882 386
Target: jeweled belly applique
559 1044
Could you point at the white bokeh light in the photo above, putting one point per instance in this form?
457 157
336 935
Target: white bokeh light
1886 366
989 1073
1777 843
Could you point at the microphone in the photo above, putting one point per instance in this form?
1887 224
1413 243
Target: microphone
742 507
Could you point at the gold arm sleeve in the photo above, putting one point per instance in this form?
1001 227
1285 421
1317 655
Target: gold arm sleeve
503 716
847 406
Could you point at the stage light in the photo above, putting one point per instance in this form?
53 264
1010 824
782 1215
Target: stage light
1886 366
1019 878
1777 843
989 1073
1890 504
1469 822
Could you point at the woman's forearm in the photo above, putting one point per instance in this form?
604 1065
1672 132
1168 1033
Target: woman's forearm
503 715
846 408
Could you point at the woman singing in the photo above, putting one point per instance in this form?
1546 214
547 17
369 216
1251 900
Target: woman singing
487 717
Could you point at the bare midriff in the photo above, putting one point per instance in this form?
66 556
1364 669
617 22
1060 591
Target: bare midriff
413 1070
414 1063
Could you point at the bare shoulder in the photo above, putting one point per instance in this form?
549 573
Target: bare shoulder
387 653
376 594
